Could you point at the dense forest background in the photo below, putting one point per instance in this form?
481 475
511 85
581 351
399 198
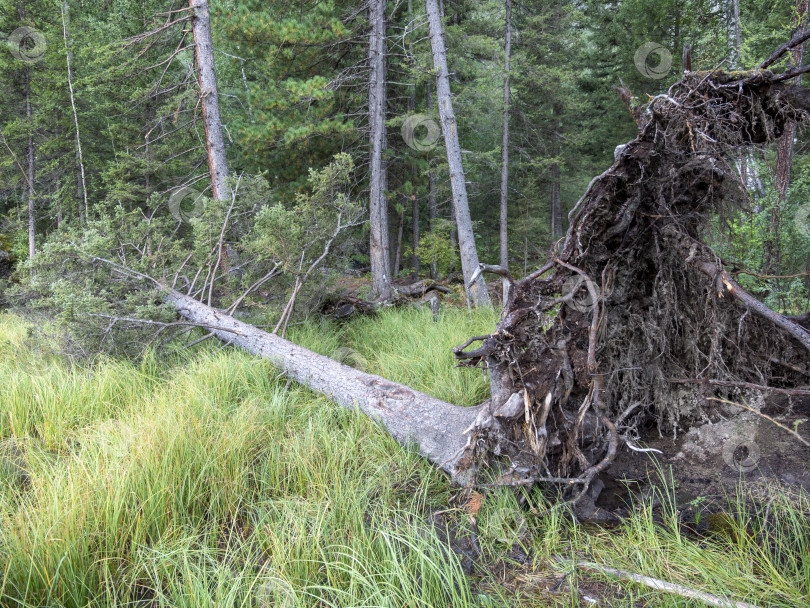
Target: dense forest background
103 145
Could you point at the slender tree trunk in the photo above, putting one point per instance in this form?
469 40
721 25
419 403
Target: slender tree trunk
737 64
398 252
411 417
32 249
414 197
415 229
79 157
505 150
214 140
433 201
737 35
556 202
784 158
432 209
378 205
476 292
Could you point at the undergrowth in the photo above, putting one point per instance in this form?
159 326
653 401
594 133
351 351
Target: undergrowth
206 479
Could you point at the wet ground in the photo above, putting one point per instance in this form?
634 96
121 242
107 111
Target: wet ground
708 462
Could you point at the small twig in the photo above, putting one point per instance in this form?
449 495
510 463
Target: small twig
758 413
161 323
198 340
630 445
659 585
792 392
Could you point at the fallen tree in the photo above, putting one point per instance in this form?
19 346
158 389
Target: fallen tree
413 418
636 321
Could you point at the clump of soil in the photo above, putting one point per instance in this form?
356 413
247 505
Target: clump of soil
636 326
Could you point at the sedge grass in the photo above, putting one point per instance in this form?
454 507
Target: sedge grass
208 480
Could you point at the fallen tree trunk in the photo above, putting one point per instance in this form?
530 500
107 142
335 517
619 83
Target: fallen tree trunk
412 418
639 324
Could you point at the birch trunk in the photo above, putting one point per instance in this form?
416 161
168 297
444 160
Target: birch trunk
412 418
378 205
209 93
477 291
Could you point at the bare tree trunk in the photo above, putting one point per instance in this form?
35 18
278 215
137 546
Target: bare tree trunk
737 63
505 151
432 210
477 291
209 93
31 194
410 416
378 205
556 202
79 157
398 252
414 197
415 230
433 202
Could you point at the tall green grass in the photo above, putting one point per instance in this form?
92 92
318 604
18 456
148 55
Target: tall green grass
209 481
205 479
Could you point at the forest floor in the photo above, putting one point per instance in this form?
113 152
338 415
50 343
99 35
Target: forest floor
207 479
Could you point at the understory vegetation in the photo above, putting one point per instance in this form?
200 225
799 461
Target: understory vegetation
209 479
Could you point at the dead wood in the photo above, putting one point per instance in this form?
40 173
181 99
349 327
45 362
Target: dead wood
412 418
636 302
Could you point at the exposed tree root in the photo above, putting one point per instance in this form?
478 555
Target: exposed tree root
638 322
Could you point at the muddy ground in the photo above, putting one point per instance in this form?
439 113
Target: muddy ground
708 462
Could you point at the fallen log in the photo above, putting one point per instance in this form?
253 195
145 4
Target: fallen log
413 418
